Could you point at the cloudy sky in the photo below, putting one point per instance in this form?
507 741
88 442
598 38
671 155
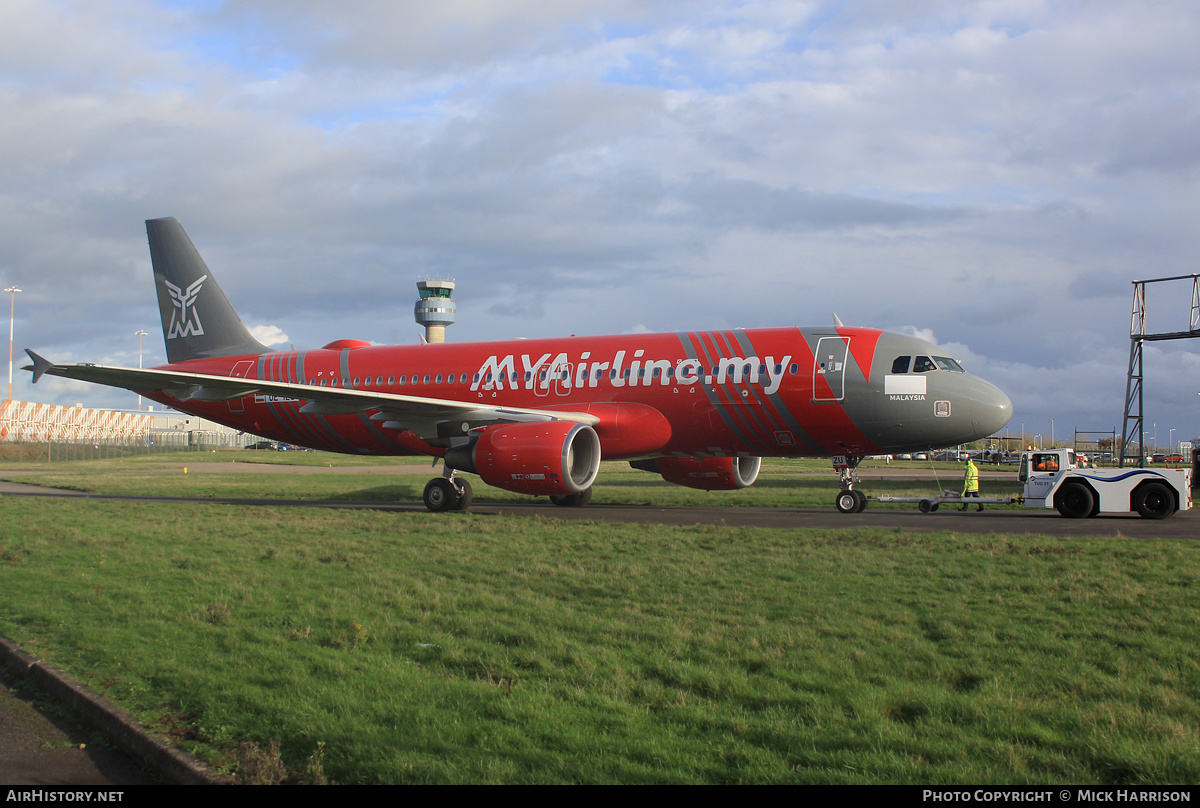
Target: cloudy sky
992 175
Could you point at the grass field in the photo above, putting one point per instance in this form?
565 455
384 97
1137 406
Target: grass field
420 648
781 483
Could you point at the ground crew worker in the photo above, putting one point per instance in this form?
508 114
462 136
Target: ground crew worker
971 483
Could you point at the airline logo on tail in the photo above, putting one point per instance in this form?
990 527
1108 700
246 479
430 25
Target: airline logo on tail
185 320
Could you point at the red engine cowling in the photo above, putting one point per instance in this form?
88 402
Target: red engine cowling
543 458
708 473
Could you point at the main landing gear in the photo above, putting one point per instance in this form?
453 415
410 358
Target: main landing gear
447 494
453 493
849 499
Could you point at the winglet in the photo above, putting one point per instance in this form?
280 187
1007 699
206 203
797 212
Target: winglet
39 367
837 321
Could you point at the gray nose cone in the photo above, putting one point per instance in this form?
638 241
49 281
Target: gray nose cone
991 409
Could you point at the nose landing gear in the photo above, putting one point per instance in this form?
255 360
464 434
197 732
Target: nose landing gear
849 499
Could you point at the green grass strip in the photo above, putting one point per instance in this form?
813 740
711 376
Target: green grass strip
781 484
414 648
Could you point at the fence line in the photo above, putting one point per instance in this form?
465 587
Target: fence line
51 432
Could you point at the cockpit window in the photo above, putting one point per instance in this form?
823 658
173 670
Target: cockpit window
946 363
1045 462
923 364
901 364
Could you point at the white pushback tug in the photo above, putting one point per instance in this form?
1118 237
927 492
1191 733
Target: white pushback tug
1053 479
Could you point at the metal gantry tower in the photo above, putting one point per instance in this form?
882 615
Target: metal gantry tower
1134 426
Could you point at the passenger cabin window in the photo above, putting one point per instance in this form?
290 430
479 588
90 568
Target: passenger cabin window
901 364
923 364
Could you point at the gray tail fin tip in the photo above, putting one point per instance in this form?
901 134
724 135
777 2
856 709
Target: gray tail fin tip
39 367
197 319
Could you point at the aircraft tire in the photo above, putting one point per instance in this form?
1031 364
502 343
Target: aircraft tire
574 500
847 501
463 501
1154 501
1075 501
439 495
862 501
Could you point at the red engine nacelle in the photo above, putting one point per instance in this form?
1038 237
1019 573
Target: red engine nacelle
544 458
706 473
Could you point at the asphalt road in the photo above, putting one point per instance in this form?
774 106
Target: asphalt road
41 744
1183 525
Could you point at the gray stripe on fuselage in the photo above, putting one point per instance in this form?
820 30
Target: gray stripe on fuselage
307 430
781 408
710 391
746 414
372 427
290 420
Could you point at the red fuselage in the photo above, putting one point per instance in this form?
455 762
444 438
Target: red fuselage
716 393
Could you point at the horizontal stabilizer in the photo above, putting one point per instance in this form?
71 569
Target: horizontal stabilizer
39 367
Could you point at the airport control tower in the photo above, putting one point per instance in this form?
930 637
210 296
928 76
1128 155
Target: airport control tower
435 310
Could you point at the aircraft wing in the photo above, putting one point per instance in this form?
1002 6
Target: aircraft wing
415 413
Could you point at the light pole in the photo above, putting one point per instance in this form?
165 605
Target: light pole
12 309
139 334
1051 433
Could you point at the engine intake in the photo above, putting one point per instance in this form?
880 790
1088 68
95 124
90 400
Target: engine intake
546 458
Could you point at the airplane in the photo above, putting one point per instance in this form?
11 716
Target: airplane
536 416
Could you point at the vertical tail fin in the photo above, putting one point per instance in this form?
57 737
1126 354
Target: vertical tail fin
197 319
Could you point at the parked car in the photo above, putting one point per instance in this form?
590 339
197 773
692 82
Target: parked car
264 444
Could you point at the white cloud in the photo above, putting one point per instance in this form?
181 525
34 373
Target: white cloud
995 173
269 335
